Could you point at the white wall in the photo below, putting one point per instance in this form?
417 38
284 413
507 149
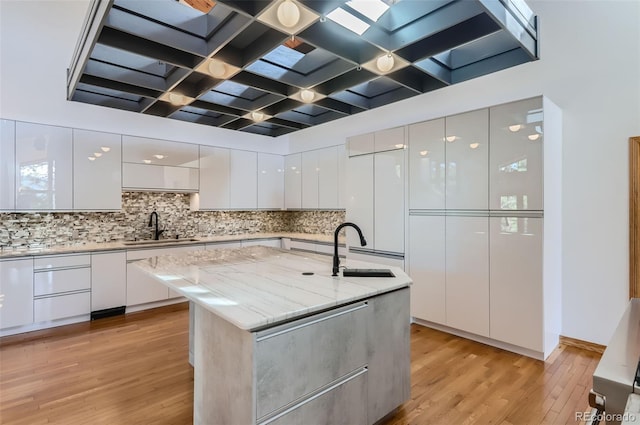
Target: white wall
590 67
37 40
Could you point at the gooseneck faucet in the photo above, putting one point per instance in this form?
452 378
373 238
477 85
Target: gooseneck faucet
157 233
336 259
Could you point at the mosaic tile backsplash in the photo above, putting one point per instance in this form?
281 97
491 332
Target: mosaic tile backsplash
51 229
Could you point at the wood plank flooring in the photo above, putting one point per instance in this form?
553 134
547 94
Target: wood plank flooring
133 369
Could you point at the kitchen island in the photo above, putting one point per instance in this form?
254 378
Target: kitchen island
277 340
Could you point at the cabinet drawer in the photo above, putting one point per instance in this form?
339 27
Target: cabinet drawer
57 281
333 343
60 307
345 403
61 261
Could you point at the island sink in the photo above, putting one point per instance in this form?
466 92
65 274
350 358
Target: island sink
367 273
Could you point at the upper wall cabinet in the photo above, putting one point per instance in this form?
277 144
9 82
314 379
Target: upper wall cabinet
97 175
389 139
328 178
362 144
467 155
516 159
342 176
214 178
7 165
293 181
159 165
310 180
43 167
243 180
270 181
427 165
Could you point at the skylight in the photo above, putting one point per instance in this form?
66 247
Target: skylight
347 20
372 9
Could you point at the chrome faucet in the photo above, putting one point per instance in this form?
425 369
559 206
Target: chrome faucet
336 259
157 233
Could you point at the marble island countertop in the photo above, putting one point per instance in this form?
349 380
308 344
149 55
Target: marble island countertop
257 286
88 247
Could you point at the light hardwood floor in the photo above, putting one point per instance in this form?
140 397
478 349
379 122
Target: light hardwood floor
133 370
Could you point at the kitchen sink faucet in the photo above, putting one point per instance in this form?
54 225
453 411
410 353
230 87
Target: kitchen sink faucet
336 259
157 233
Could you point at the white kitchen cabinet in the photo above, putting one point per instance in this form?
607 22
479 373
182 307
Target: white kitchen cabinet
214 178
360 199
62 287
142 288
516 157
467 274
293 181
159 165
44 169
7 165
389 139
270 181
467 155
97 171
328 178
222 245
361 144
243 180
310 180
427 268
389 201
516 281
342 176
16 287
427 165
108 280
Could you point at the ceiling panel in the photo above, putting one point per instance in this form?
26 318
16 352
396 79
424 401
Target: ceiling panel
216 67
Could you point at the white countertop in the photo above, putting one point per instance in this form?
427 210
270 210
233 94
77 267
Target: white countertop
88 247
257 286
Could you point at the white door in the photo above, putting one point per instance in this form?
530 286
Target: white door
360 199
516 281
328 176
97 171
467 258
389 201
427 268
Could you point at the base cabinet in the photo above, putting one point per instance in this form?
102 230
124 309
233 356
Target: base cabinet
348 365
108 280
16 286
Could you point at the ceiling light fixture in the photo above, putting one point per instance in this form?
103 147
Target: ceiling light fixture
534 136
175 98
515 127
217 68
307 95
288 14
257 116
385 62
451 139
105 148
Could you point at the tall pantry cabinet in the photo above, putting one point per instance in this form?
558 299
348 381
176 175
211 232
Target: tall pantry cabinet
483 251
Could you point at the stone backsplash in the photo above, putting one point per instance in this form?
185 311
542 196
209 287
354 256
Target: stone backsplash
51 229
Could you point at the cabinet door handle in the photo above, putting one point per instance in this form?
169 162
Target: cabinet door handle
295 327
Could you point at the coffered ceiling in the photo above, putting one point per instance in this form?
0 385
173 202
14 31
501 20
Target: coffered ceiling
273 67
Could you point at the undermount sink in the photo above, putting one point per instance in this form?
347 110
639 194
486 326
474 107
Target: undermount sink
367 273
159 242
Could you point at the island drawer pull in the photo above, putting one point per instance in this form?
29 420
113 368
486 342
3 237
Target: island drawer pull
289 327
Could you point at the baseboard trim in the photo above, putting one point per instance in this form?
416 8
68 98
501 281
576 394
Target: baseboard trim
584 345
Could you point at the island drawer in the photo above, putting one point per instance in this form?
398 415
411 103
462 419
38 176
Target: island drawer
321 348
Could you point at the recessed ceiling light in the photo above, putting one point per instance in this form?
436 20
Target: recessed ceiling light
105 148
347 20
372 9
176 98
257 116
385 62
288 14
307 95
